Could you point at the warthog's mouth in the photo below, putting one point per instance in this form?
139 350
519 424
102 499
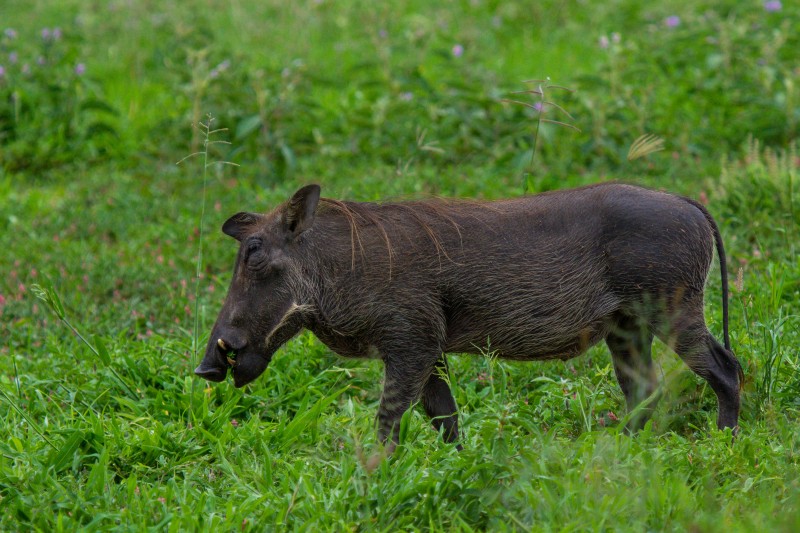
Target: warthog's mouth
246 366
228 352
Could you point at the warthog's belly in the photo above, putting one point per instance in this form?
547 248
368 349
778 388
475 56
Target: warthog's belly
541 327
522 345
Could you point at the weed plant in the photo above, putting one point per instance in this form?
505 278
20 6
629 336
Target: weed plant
104 427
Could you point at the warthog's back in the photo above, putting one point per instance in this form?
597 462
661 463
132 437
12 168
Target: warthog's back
534 277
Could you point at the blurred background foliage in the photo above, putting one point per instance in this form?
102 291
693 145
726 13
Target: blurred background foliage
351 81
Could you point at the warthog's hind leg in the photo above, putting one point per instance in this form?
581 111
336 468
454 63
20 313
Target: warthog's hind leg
701 352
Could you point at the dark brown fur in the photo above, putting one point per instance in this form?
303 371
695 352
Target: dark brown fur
538 277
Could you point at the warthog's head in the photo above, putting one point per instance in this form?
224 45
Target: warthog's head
264 307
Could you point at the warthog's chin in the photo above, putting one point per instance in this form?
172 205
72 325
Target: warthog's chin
248 367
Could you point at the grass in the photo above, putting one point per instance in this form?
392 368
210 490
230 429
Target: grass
374 102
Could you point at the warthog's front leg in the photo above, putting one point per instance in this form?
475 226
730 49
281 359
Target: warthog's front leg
404 378
401 386
439 404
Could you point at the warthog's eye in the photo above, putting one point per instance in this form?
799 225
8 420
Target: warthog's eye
252 250
255 256
253 246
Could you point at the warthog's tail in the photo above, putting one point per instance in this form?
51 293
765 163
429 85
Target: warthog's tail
723 267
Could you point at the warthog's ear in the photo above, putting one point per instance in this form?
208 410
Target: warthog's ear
238 224
299 214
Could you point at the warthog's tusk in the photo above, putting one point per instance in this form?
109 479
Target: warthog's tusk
221 344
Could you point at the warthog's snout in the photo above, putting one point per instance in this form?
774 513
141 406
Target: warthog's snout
211 373
228 349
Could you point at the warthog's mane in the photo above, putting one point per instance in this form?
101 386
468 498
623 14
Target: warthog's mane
433 216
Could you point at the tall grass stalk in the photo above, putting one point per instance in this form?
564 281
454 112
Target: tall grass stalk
540 107
207 132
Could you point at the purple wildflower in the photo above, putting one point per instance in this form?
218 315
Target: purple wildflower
45 33
616 37
56 34
41 60
2 72
538 106
219 69
458 50
26 69
12 57
603 42
80 69
11 33
773 5
672 21
406 96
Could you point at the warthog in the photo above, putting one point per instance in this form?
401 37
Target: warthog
539 277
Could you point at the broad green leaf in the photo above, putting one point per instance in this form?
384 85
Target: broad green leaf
102 351
64 456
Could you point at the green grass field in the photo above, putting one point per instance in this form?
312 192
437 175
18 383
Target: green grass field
102 423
